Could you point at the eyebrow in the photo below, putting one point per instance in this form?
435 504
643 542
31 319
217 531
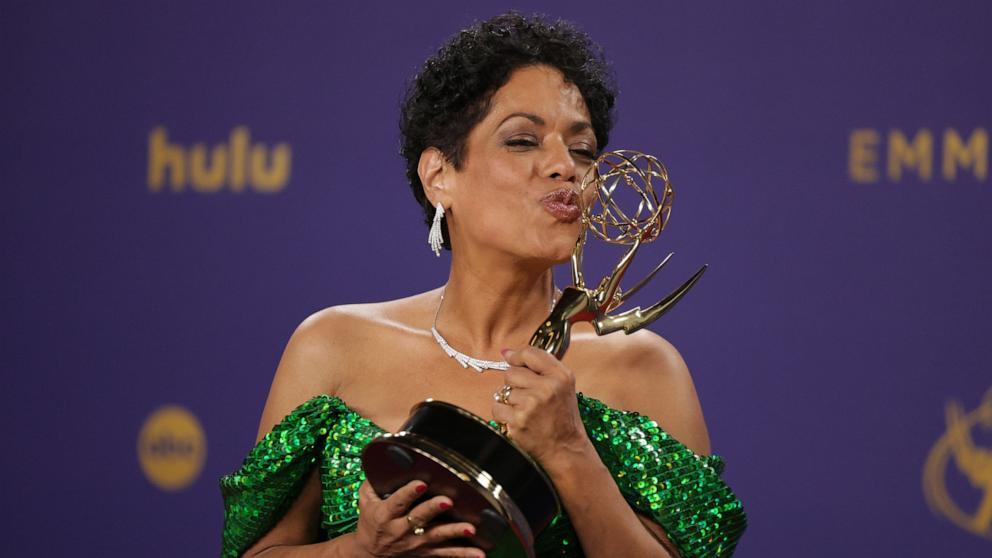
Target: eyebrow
577 126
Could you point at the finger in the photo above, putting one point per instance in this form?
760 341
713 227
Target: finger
526 400
523 398
520 377
521 404
425 512
448 531
401 500
510 395
503 413
533 358
366 494
457 552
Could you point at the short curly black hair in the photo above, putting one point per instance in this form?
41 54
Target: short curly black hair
453 90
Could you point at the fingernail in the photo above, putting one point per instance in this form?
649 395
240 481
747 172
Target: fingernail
444 506
503 352
468 532
421 488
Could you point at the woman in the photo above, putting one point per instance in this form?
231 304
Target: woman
498 129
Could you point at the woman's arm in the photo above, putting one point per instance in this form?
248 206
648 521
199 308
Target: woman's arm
297 533
310 349
653 381
310 366
604 521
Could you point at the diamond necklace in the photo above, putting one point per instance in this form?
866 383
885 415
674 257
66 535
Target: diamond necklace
477 364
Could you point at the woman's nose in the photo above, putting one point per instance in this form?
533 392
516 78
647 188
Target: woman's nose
560 163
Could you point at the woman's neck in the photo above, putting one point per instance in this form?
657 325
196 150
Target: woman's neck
490 307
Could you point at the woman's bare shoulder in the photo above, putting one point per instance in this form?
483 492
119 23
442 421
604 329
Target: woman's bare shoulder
332 344
644 372
401 312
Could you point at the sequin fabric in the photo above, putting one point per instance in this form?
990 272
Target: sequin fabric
658 476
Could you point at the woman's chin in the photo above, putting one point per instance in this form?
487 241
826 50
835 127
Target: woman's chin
558 248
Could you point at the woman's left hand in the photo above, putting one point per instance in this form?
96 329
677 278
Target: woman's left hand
541 412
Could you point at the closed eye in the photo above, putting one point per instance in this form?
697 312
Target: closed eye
521 142
525 142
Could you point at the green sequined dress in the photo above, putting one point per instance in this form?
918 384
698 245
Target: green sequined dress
658 476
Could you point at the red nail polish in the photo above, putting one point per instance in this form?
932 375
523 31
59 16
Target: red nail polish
444 506
468 532
421 488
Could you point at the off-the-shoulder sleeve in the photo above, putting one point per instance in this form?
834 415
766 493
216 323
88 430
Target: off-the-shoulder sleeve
258 494
661 477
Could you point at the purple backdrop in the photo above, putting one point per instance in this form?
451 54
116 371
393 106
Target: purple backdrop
839 317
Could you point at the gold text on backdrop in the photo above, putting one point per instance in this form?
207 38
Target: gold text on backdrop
234 165
868 159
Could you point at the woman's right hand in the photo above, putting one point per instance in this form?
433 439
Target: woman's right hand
386 527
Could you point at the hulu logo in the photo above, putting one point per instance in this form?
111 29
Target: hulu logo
234 165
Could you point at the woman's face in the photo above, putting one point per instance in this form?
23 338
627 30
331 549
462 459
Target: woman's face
516 192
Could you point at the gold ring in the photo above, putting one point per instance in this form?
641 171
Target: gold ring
502 395
416 527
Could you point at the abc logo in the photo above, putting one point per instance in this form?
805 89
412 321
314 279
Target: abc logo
171 448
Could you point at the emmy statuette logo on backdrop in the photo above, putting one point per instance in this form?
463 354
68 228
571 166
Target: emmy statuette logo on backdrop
956 454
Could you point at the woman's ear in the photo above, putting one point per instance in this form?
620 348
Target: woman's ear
433 169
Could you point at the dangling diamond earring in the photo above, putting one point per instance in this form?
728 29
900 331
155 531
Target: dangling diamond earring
434 238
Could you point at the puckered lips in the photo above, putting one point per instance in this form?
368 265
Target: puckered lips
562 204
